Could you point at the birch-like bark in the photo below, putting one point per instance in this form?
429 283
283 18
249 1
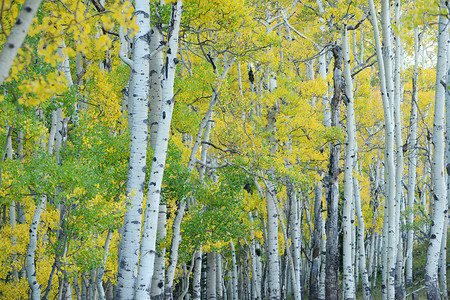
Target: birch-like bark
58 135
52 134
173 258
196 285
31 265
219 276
386 86
316 243
361 260
443 257
129 252
211 278
295 236
17 36
101 270
273 265
332 288
399 275
256 293
234 288
412 160
12 206
148 242
156 65
157 285
349 278
440 199
64 66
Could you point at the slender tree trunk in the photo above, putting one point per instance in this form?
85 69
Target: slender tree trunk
295 231
332 288
131 236
386 84
31 265
101 270
272 244
255 288
349 278
211 279
316 242
440 199
173 258
399 276
196 286
234 287
17 36
148 243
412 160
157 285
156 76
219 276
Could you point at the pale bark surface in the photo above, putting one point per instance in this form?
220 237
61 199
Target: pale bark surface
31 264
316 256
386 85
440 194
148 243
349 278
412 163
129 252
332 288
17 36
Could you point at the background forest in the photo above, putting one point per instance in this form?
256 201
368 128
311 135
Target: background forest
244 149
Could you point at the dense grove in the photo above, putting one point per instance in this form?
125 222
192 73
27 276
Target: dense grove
238 149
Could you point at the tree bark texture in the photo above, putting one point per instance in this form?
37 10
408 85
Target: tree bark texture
332 288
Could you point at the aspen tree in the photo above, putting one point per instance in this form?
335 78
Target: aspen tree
332 288
17 36
440 207
349 278
386 86
131 236
399 276
148 243
316 249
211 278
412 160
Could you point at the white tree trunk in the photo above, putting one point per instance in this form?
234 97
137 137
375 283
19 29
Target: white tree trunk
349 278
399 276
173 259
129 252
323 258
157 286
148 243
196 286
234 288
156 65
256 294
211 278
219 276
101 270
31 265
367 291
17 36
412 160
316 243
296 246
440 199
386 85
52 134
